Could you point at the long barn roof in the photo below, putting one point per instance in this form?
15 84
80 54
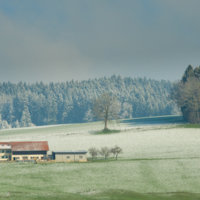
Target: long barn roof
30 146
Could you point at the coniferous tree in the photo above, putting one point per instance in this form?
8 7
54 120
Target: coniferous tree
26 118
16 124
7 112
88 116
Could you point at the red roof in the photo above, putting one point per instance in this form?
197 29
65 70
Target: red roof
30 146
5 143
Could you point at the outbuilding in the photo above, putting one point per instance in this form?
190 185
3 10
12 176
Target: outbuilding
70 156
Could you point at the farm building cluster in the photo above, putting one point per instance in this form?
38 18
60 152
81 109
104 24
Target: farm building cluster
37 150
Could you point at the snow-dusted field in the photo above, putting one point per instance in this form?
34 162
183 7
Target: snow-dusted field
156 159
146 142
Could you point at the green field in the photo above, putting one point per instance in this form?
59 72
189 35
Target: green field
163 120
156 163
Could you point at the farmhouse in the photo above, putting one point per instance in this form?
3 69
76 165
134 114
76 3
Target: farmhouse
70 156
5 151
23 150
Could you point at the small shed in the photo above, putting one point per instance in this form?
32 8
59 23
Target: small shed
70 156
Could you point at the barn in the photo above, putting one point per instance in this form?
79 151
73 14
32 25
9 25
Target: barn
29 150
70 156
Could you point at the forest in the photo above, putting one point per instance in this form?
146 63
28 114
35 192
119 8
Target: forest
23 105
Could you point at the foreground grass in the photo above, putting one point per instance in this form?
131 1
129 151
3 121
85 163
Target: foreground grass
127 195
110 194
91 180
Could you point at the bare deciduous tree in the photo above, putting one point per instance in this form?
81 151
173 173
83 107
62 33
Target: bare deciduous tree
106 108
105 151
116 150
93 152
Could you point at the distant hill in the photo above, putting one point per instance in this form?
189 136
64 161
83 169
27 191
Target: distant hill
70 102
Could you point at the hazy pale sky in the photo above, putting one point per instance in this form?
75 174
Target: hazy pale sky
48 40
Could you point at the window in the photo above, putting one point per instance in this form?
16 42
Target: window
3 156
68 157
7 151
6 156
80 157
2 151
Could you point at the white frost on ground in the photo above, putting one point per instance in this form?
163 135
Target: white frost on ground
162 173
136 143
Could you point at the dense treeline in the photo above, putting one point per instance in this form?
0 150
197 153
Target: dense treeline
186 93
70 102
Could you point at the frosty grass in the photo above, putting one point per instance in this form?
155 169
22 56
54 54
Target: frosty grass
155 160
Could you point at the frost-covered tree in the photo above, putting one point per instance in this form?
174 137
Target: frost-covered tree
127 110
26 118
16 124
88 116
4 124
7 111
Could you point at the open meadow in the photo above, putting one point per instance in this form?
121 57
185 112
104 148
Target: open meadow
160 160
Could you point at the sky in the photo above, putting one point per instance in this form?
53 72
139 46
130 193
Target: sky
57 41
